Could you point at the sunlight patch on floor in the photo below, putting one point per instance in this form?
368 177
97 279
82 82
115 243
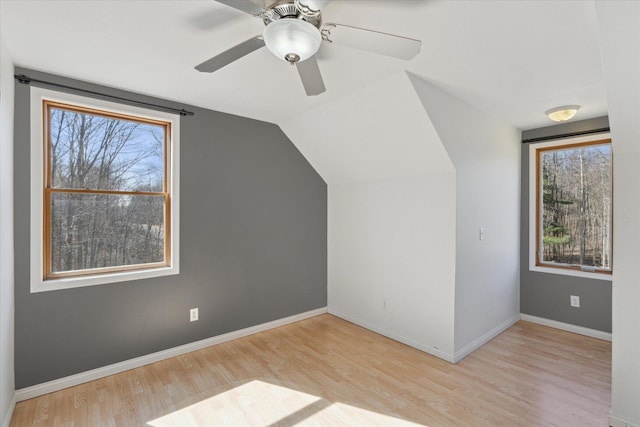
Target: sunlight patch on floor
259 403
341 414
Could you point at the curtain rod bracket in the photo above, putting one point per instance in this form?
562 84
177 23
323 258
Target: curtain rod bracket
22 78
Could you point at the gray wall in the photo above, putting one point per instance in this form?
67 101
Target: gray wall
253 249
547 295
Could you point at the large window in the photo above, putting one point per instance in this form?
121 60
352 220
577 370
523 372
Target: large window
573 199
107 189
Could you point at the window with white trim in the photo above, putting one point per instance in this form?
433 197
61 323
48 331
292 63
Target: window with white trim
104 191
571 199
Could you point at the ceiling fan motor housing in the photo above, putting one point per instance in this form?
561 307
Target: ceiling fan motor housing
289 9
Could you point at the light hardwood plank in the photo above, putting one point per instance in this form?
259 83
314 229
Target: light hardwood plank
325 371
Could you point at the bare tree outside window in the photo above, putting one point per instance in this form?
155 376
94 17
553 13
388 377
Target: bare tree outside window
574 212
106 198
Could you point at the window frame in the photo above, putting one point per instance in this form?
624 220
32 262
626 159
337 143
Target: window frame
42 279
535 202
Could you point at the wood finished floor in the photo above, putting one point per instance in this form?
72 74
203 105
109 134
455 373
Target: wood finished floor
325 371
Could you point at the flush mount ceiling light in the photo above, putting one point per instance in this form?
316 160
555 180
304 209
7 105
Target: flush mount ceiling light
562 114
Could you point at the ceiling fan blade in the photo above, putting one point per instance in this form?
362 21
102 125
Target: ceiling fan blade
233 54
246 6
372 41
310 76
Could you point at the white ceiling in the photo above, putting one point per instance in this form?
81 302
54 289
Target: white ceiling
392 136
512 59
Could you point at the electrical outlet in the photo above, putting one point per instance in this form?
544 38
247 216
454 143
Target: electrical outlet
193 314
575 301
481 233
384 304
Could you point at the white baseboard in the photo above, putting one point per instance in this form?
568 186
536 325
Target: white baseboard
476 344
594 333
615 421
404 340
94 374
9 414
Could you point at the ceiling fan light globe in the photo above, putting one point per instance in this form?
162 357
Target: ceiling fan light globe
290 37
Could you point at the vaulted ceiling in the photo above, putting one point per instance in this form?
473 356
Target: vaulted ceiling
511 59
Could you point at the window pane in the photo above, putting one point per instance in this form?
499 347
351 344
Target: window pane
98 230
102 153
576 212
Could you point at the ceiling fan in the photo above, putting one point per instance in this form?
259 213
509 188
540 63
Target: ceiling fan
294 31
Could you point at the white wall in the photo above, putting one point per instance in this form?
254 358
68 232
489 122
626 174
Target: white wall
7 385
391 219
413 174
486 155
393 241
619 23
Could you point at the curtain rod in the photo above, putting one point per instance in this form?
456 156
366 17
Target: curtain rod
26 80
566 135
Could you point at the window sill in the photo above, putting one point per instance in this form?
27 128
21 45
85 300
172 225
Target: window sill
38 285
571 272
